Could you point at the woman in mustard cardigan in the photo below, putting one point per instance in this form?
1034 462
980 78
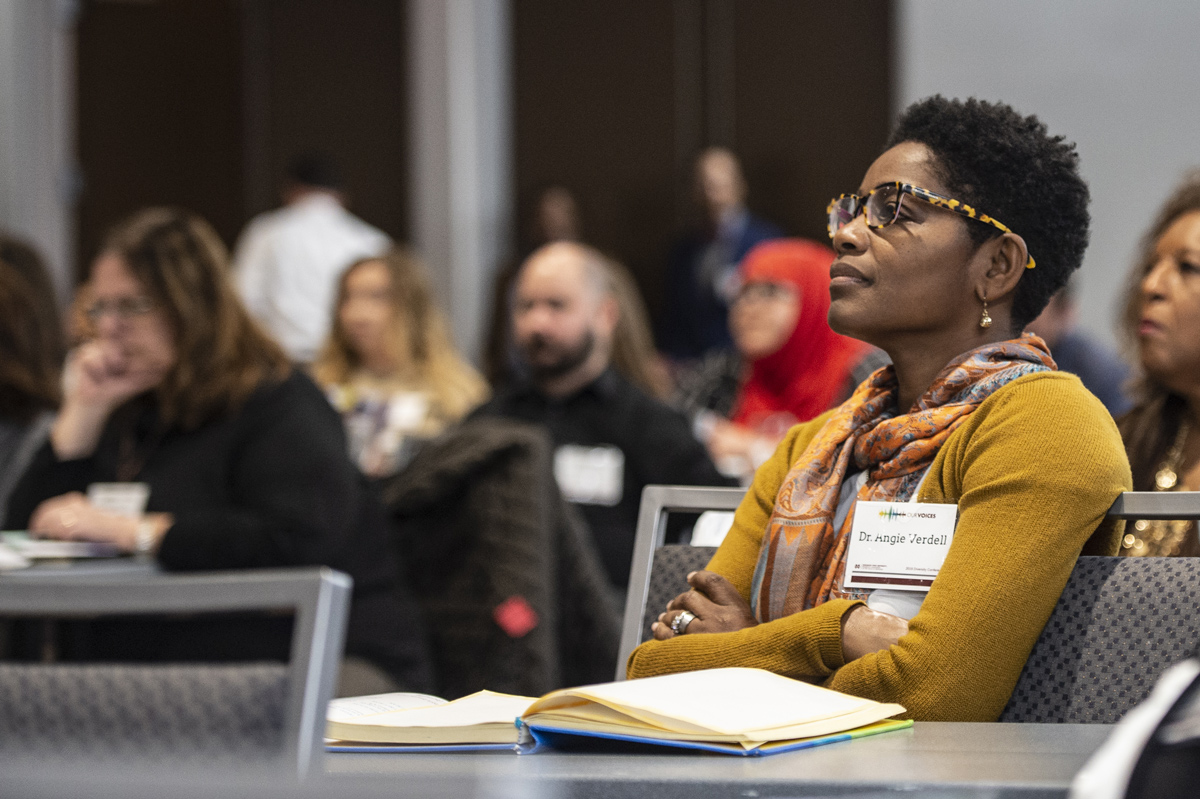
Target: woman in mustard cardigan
971 413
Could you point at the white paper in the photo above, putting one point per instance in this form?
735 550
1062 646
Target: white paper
711 528
590 475
123 499
407 410
482 707
353 707
725 701
898 545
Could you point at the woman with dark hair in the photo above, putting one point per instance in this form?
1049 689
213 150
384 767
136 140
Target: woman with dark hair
31 344
244 459
1161 323
955 239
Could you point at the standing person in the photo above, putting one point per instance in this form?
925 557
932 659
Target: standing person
702 272
287 261
31 356
243 457
389 366
1161 323
612 439
971 413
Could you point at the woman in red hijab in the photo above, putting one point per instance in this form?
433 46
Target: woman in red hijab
794 366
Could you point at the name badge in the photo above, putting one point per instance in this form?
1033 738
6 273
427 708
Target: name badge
590 475
898 545
407 410
123 499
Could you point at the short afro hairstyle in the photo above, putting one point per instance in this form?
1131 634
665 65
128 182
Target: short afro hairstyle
1008 167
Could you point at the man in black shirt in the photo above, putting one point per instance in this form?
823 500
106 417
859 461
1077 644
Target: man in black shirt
611 439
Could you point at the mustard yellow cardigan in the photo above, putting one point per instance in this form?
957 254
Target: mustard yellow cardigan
1033 471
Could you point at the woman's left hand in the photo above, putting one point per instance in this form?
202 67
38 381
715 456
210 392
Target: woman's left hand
713 601
70 517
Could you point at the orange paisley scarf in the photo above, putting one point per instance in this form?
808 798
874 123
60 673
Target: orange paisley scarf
802 560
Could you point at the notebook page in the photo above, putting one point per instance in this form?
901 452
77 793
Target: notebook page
484 707
729 701
356 707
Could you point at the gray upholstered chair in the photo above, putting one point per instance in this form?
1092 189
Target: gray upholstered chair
659 572
1119 624
253 714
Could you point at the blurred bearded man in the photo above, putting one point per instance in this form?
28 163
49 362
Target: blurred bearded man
611 439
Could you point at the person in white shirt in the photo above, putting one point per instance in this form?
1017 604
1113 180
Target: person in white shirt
287 261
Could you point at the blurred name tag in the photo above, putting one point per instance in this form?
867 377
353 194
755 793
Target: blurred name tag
407 410
123 499
898 545
590 475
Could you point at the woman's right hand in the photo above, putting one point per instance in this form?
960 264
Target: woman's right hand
97 378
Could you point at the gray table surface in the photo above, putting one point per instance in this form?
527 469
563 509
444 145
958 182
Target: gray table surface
931 758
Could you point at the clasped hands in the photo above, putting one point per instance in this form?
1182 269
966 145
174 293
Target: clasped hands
719 608
716 604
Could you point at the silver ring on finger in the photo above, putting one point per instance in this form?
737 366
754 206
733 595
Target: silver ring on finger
680 623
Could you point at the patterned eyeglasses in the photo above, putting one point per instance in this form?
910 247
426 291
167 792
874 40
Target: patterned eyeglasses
881 206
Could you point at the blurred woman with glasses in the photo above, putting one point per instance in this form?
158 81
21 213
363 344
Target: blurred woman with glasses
956 238
1161 323
787 366
180 393
389 366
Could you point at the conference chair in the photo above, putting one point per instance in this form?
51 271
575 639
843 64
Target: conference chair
261 714
659 571
1119 624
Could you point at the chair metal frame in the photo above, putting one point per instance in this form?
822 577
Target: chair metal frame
319 597
660 500
657 502
1156 505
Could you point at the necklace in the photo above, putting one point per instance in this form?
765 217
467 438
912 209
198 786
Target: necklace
1162 537
1168 471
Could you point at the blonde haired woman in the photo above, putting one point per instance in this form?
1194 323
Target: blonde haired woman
389 366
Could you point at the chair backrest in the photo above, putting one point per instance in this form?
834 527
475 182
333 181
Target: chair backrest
257 713
658 573
1119 624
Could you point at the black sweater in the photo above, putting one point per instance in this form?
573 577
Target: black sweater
269 485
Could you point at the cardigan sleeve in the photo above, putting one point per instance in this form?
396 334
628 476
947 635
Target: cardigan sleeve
804 645
1033 472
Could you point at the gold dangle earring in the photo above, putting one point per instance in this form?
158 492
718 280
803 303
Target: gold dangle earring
985 320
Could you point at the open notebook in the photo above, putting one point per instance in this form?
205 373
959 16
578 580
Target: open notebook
733 711
419 722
